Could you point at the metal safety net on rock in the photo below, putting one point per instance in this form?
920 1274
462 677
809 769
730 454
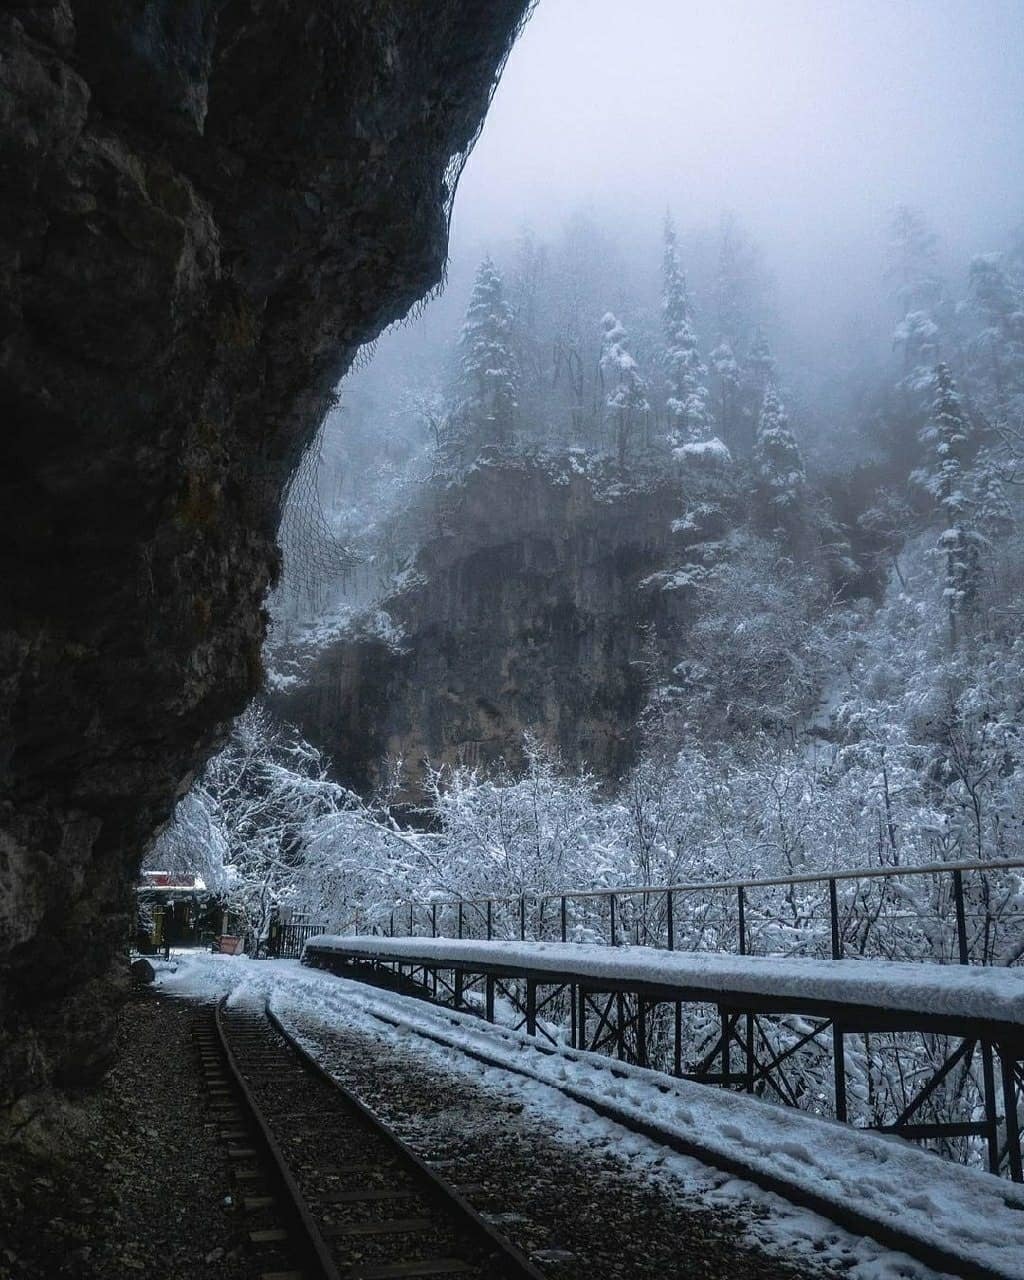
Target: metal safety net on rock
313 554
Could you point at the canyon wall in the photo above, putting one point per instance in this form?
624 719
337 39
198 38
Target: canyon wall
525 611
207 206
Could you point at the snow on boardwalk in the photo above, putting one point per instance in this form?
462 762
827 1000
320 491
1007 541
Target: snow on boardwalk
966 1212
962 992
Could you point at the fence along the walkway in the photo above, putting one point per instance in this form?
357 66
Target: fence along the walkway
962 912
287 940
953 913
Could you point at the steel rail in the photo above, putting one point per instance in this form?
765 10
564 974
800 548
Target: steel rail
514 1263
843 1215
696 886
312 1246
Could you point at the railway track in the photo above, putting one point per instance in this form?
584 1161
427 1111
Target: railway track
847 1215
328 1190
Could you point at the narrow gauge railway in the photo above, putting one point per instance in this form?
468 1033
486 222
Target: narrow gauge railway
329 1191
847 1215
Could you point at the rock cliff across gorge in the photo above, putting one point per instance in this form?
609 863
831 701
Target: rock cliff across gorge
524 613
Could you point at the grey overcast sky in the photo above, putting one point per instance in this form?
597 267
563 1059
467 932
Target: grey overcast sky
808 118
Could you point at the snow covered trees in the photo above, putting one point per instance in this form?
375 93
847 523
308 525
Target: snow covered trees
947 436
922 335
689 415
488 377
913 270
997 351
727 375
625 390
777 461
993 513
245 824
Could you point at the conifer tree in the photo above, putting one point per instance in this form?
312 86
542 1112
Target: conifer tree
924 332
913 269
624 388
760 363
727 372
488 372
738 285
777 460
687 403
757 372
993 515
998 350
947 436
917 337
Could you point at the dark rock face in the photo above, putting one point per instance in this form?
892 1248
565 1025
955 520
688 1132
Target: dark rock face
526 613
207 205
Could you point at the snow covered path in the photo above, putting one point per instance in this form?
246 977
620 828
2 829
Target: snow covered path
969 1213
959 991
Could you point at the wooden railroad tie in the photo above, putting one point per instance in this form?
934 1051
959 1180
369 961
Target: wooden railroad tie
389 1227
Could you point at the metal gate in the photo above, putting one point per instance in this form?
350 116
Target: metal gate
287 940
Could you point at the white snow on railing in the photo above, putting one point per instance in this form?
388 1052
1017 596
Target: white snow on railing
967 991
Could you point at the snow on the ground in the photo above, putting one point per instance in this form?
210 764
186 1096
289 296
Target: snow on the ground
970 991
968 1212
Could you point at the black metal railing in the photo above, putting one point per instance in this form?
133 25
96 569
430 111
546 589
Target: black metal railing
287 940
962 912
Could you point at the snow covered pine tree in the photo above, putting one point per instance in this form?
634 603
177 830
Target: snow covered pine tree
687 404
777 460
624 387
488 374
947 435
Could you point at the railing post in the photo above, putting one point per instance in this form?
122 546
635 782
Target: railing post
641 1032
392 922
670 920
611 903
1013 1154
991 1113
677 1052
749 1053
433 919
564 920
489 919
522 917
839 1065
741 902
838 1043
961 921
489 996
833 910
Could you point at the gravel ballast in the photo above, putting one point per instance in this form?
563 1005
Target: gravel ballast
140 1183
580 1214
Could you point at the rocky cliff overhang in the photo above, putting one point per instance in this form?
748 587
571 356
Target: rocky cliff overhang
207 207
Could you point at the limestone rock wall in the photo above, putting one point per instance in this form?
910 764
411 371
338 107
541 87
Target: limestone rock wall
206 206
526 612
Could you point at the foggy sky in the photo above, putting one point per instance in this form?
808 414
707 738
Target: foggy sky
808 118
